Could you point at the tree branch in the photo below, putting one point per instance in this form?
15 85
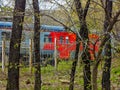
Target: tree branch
65 26
109 29
86 9
79 9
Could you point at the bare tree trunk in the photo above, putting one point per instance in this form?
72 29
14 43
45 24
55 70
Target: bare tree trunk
37 45
74 64
106 70
86 55
108 55
94 78
14 54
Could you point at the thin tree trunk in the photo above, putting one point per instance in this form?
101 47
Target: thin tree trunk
107 65
14 54
108 55
37 85
106 70
74 64
86 55
94 78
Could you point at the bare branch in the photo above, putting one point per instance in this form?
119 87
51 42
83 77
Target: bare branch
86 9
79 9
65 26
66 11
115 19
102 6
109 29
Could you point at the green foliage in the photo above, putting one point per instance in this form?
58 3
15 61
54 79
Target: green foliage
6 9
47 70
118 49
51 79
115 74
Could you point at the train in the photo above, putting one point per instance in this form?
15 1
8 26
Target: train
52 38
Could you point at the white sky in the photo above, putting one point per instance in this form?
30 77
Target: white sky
51 5
44 4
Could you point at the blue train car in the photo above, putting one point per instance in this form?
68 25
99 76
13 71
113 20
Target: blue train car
5 33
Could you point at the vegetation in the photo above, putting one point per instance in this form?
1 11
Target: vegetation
81 17
58 80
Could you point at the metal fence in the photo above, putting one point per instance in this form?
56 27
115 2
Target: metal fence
48 51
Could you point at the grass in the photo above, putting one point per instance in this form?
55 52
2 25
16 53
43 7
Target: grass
52 79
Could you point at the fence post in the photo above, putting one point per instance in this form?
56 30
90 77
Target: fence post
3 55
55 54
30 54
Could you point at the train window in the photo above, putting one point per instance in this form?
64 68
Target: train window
61 39
50 39
67 40
6 35
47 38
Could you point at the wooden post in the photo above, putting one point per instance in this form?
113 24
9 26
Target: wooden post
3 55
30 54
55 54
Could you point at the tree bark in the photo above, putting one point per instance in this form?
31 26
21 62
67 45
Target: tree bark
74 64
37 85
108 56
107 66
94 78
108 25
86 55
14 54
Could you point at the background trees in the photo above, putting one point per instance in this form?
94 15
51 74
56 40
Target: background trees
79 16
107 6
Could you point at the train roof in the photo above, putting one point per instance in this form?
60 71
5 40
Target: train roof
52 28
5 24
43 27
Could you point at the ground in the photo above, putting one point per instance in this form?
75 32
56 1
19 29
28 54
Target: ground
59 79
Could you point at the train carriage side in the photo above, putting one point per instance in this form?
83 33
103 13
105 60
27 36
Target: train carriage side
65 44
47 41
5 33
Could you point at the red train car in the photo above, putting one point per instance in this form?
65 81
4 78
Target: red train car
66 44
